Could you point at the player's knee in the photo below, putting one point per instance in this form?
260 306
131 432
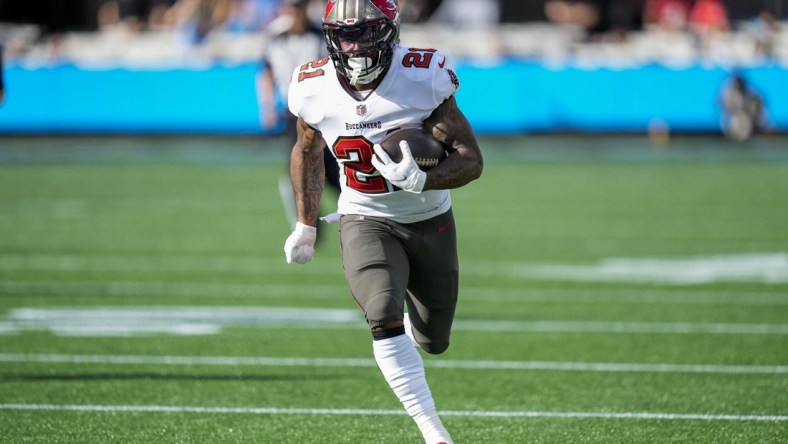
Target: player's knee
382 312
435 348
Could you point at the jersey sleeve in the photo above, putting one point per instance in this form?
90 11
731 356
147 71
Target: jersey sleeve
431 75
303 95
445 80
294 95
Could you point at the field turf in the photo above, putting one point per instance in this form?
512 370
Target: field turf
611 292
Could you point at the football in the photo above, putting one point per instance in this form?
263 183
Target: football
426 150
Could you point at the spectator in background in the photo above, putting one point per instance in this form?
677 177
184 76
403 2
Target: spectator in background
476 18
668 15
582 13
417 11
111 16
743 110
602 20
708 22
618 18
708 17
252 15
197 18
133 15
292 39
765 30
468 13
108 15
158 17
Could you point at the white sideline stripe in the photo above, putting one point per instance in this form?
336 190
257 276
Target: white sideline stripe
362 362
373 412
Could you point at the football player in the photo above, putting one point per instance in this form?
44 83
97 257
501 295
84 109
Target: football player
397 230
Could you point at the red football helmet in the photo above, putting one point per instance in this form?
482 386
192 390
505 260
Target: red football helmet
361 35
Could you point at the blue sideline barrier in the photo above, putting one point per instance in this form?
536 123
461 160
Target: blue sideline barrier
505 98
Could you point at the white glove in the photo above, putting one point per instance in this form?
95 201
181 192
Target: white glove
406 174
300 245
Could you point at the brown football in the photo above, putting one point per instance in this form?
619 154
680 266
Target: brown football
426 150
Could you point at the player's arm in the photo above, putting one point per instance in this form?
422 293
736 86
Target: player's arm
464 163
307 172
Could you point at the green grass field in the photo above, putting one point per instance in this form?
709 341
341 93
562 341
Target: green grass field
611 292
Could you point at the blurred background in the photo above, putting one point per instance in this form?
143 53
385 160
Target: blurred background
611 66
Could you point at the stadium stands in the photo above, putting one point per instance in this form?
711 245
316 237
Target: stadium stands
540 41
559 77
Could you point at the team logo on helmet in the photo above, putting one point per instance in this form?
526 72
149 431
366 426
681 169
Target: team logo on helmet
388 7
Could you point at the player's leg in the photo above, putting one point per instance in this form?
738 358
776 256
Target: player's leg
433 284
376 268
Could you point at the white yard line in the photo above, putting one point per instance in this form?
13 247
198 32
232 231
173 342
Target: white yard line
622 327
362 362
172 289
338 290
654 296
371 412
767 267
191 320
141 263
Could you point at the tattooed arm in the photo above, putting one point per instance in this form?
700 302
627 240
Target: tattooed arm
307 172
464 164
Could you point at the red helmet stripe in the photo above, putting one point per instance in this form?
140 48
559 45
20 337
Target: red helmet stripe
329 6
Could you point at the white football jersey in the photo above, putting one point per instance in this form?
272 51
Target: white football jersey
417 82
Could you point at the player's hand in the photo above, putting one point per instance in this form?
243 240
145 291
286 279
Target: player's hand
405 174
300 246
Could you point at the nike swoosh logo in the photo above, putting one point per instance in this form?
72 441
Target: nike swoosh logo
444 228
440 65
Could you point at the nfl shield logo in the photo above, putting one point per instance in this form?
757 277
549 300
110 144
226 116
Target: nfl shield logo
361 109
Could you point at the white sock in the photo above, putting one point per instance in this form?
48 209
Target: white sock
403 368
409 331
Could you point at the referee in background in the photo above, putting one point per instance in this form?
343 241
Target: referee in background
293 40
2 86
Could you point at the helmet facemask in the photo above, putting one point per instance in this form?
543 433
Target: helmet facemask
361 49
